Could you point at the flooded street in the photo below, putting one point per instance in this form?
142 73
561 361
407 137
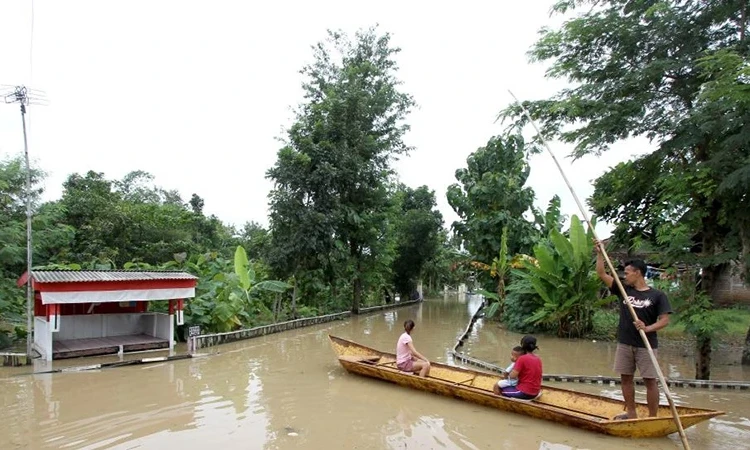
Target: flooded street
287 390
491 343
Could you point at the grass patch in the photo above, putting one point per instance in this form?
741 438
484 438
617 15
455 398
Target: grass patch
736 319
605 325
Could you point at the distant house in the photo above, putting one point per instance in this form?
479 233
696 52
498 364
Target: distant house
730 288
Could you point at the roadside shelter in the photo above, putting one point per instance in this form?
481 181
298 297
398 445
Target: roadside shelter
99 312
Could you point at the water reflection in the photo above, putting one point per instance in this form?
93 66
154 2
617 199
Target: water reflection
288 391
410 430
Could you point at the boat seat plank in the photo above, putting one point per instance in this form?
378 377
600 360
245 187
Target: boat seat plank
466 381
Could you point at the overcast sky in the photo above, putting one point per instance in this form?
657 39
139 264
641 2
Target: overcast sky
196 93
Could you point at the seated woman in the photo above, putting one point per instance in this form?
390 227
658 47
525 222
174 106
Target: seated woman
408 359
527 370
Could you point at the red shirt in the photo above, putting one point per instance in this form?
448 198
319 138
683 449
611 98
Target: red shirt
529 368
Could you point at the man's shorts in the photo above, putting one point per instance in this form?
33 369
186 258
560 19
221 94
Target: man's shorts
628 358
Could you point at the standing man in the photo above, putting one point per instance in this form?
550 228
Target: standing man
653 309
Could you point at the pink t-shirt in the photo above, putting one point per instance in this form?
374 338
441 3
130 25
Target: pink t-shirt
403 354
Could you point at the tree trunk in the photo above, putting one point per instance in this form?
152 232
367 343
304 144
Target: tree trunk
276 307
703 359
703 343
746 350
294 298
500 298
356 254
709 277
357 293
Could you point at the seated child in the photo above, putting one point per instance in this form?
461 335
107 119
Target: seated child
514 354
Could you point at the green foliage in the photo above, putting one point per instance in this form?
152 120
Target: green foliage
490 195
242 268
493 300
562 276
498 270
549 220
418 239
331 206
676 73
257 240
228 295
49 234
521 302
605 324
447 266
694 309
132 220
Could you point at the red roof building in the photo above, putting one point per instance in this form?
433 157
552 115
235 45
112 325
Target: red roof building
99 312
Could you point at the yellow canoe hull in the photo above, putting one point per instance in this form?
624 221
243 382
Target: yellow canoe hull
585 411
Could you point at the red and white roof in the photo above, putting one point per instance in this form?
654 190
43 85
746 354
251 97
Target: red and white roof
101 286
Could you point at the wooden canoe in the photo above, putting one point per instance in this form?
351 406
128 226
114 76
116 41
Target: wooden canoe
581 410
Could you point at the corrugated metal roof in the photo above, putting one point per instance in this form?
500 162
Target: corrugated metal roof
83 276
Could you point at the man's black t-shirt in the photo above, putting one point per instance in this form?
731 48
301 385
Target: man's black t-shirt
648 306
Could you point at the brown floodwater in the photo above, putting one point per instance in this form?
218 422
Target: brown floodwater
287 390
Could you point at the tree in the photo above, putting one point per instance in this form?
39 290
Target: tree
133 220
256 239
92 209
418 228
645 68
447 266
490 197
301 226
50 235
196 204
336 164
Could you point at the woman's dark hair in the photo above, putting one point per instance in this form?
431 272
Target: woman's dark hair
409 325
528 344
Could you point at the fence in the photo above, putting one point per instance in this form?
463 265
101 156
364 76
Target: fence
208 340
586 379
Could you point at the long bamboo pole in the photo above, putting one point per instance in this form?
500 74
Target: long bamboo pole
620 287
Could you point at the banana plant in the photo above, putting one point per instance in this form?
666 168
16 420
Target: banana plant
499 269
562 274
247 276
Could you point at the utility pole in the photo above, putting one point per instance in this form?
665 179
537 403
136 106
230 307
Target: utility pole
22 96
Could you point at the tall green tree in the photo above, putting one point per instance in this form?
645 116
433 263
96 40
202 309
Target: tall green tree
491 194
657 69
418 229
335 168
